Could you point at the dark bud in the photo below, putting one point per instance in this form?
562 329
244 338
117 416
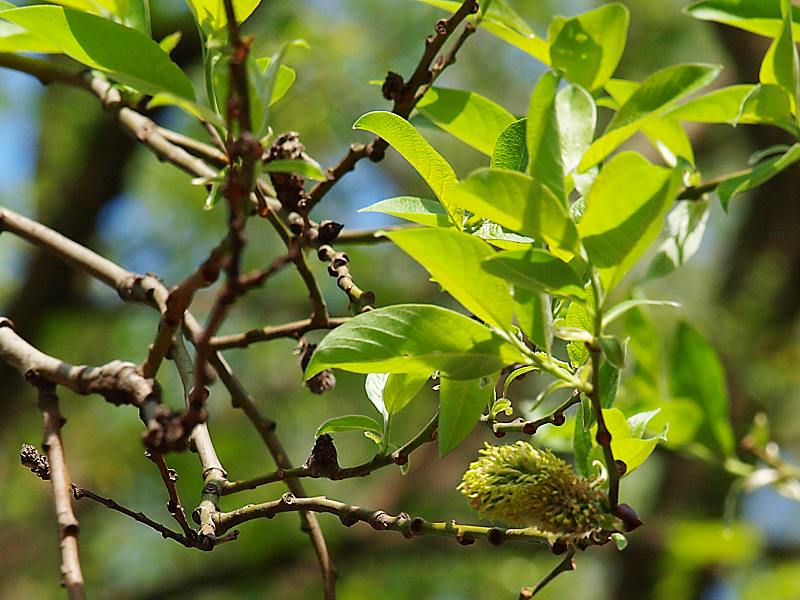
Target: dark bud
529 428
324 252
340 260
289 187
558 547
603 438
393 86
376 154
495 537
367 299
37 462
416 525
323 461
400 460
499 434
306 352
441 26
622 468
329 231
559 419
475 7
628 516
466 539
322 382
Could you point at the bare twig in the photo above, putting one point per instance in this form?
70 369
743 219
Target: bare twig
339 268
567 564
174 506
295 329
404 101
531 427
71 575
398 457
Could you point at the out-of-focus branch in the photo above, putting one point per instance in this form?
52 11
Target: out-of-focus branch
71 575
531 427
405 98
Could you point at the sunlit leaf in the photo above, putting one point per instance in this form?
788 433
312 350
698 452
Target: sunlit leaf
417 210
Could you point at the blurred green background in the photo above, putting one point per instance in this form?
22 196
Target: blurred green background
63 161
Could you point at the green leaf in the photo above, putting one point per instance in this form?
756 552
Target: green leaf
283 80
620 541
511 151
461 404
309 170
211 16
579 316
516 201
402 388
129 56
781 63
696 374
195 109
686 224
582 446
756 16
454 259
609 384
616 311
374 385
169 42
768 104
543 138
417 210
402 136
626 442
613 350
350 423
622 220
537 270
414 338
577 118
587 48
713 544
14 38
717 106
499 237
467 116
759 174
501 21
651 99
534 316
272 85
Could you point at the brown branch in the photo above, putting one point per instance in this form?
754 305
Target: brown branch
295 330
405 99
207 153
118 382
398 457
370 236
169 477
531 427
339 268
71 575
379 520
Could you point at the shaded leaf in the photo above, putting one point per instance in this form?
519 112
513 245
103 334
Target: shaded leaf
538 270
461 404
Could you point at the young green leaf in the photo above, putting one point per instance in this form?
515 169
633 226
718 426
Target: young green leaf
309 170
129 56
627 443
417 210
467 116
460 406
686 224
722 105
454 259
582 446
616 311
350 423
577 118
651 99
538 270
511 151
621 220
757 175
14 38
414 338
284 78
534 316
580 316
211 16
374 385
696 374
543 137
587 48
402 136
402 388
195 109
781 63
613 350
516 201
756 16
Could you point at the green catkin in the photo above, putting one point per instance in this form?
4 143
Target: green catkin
527 487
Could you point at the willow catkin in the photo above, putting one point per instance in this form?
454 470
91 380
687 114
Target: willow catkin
527 487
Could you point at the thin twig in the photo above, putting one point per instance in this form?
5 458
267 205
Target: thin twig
556 417
295 330
174 506
567 564
71 575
